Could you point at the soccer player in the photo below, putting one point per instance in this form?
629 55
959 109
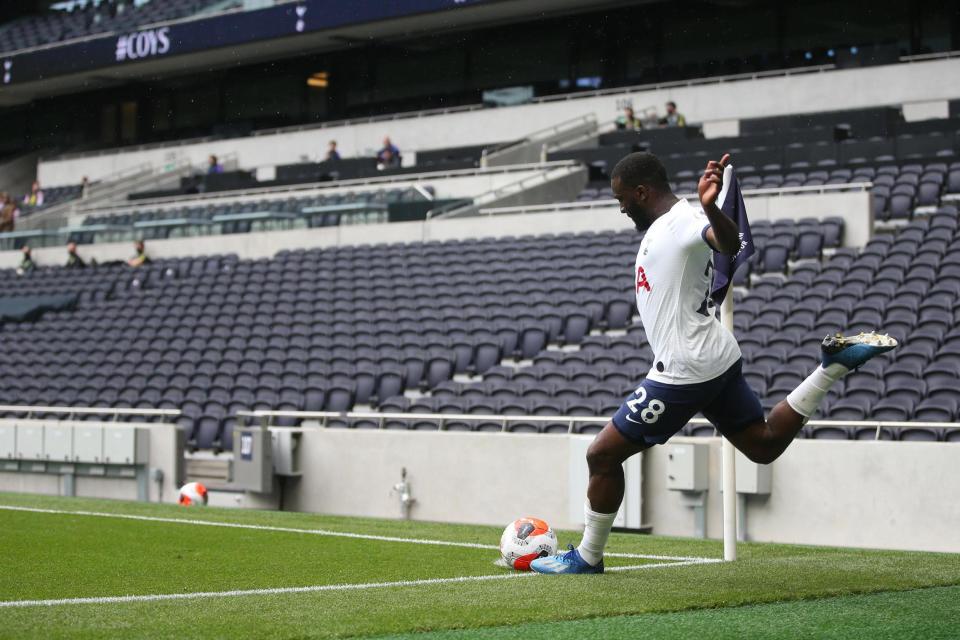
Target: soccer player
697 362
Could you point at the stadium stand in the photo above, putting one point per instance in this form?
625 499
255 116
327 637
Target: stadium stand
90 19
334 329
53 196
311 316
246 217
899 192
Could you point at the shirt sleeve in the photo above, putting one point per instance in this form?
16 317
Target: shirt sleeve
693 229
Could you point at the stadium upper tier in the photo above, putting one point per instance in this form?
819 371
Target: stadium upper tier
898 192
719 107
90 19
331 329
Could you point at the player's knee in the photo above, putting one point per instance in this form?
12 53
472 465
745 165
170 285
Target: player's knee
601 460
761 455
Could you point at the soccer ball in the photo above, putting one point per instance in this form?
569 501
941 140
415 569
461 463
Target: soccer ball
527 539
193 494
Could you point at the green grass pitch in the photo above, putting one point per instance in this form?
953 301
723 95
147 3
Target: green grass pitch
326 586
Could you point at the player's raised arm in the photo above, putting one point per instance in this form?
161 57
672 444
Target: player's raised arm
723 234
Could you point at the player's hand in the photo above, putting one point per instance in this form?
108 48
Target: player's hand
711 182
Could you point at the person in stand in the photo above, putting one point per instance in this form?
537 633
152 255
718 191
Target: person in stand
214 165
673 118
140 258
8 212
35 197
389 156
332 154
74 261
27 264
629 121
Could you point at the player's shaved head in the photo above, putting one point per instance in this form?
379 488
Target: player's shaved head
641 169
640 184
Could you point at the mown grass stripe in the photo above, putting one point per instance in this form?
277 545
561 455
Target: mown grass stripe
312 589
321 532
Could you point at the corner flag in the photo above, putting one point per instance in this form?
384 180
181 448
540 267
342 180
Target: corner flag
731 204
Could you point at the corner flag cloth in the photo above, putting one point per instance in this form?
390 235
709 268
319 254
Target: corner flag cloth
731 204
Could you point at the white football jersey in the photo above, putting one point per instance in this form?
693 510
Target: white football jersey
674 273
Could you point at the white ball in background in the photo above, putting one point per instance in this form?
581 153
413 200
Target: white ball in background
193 494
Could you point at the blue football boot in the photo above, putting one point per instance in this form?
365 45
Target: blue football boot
853 351
569 562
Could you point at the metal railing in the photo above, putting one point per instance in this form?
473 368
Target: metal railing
111 187
925 57
313 188
534 145
116 412
324 417
548 171
693 82
610 202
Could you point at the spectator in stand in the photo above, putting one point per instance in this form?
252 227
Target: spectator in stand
673 118
629 121
389 156
84 187
27 264
332 154
35 197
214 166
140 258
8 212
74 261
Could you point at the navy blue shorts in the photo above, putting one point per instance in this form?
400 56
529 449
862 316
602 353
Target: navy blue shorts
656 411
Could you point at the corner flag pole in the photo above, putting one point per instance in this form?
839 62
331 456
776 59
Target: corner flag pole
728 452
728 456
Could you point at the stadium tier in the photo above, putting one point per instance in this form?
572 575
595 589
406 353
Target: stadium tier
89 18
334 329
250 216
52 196
410 271
897 190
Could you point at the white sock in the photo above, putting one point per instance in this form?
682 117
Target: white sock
810 393
595 534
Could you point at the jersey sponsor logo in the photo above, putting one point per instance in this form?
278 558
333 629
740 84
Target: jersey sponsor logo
642 282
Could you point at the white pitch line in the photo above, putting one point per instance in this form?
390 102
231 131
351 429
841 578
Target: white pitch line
314 589
322 532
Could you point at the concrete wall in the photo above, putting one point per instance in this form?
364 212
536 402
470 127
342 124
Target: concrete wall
853 207
885 495
892 495
724 101
455 477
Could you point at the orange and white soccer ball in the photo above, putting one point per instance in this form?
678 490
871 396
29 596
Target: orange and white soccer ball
525 540
193 494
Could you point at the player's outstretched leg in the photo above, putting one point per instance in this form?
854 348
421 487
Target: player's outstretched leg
839 356
765 441
605 459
